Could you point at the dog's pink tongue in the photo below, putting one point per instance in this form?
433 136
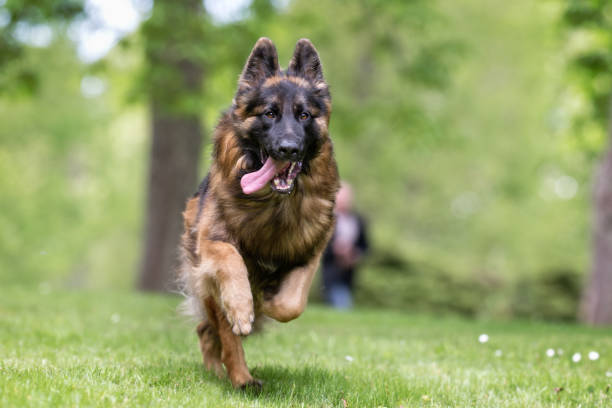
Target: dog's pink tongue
256 180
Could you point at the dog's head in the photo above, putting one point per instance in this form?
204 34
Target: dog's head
281 117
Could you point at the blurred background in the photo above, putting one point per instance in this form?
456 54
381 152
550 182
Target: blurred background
474 134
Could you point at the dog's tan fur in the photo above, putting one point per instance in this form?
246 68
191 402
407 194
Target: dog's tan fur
234 244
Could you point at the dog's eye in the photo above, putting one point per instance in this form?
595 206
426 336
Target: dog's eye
270 115
304 115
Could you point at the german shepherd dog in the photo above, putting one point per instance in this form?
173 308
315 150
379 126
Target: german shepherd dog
256 228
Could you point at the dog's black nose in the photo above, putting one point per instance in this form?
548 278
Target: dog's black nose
289 150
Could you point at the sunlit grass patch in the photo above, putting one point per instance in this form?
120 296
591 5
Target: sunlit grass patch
125 349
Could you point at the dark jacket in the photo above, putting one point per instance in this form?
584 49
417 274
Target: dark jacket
333 273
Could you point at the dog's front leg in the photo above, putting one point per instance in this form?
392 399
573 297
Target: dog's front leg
291 299
229 308
223 268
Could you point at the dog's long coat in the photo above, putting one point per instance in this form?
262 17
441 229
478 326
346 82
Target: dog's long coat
251 249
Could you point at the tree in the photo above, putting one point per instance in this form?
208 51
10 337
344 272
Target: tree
173 44
592 67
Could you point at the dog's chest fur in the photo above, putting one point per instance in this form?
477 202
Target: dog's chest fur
279 234
273 233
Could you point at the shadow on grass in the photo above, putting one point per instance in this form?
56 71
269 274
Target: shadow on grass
282 386
306 384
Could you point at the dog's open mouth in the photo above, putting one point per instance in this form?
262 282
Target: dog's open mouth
284 181
280 174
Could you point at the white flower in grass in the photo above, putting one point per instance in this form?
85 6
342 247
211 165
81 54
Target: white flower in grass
483 338
498 353
593 355
550 352
349 359
576 357
608 373
560 352
115 318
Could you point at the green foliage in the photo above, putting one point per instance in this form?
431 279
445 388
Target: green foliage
422 289
71 180
390 282
175 56
446 121
118 349
589 26
469 198
14 74
554 295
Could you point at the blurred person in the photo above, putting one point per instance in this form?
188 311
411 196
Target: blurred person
344 252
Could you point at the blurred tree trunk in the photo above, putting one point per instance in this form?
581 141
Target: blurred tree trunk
597 302
174 37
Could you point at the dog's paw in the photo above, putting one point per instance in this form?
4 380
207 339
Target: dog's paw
254 385
241 321
238 308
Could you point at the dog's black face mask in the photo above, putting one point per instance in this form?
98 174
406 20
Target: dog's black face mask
282 116
282 125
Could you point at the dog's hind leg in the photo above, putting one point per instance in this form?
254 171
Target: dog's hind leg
210 345
232 353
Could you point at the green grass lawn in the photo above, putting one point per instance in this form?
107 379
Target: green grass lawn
125 349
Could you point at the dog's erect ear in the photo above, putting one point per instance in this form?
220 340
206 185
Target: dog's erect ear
262 64
305 62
